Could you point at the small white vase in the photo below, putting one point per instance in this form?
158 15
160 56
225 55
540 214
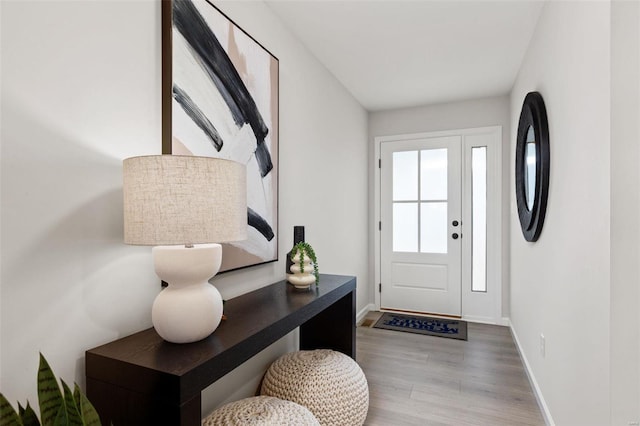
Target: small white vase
301 280
296 259
296 268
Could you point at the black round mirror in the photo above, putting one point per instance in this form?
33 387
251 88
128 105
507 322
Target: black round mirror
532 166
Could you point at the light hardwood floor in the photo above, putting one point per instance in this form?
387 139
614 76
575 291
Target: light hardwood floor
424 380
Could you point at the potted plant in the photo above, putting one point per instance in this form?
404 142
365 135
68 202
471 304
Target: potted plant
303 256
56 407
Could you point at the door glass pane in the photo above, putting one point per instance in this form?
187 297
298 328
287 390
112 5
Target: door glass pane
433 227
433 174
405 176
479 218
405 227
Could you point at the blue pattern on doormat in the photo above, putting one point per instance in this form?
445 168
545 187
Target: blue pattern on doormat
431 324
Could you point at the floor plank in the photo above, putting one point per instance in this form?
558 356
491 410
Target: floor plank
425 380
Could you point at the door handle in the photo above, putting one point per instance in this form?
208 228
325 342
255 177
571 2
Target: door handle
454 236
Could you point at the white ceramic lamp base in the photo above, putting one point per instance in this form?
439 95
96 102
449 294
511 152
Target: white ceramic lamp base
190 308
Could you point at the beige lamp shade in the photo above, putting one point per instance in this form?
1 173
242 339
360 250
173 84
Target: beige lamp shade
173 199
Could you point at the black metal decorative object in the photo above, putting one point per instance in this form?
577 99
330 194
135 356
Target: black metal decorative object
532 166
298 237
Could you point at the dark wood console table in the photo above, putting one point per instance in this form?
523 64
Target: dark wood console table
141 379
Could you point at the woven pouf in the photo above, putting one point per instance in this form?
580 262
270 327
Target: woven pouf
261 411
328 383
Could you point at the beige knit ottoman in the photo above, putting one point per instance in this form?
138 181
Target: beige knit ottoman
328 383
261 411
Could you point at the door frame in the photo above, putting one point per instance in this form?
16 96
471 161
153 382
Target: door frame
492 304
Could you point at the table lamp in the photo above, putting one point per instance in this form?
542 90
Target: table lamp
185 206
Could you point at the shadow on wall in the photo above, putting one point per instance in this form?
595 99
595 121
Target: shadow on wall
68 281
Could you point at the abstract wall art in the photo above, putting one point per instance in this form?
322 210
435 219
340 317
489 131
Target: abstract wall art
220 99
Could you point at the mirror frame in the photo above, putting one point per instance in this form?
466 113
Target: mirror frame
533 114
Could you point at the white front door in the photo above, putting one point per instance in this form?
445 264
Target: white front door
420 214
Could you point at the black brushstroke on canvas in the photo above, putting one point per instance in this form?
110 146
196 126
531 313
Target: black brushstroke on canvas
223 74
264 157
198 117
262 226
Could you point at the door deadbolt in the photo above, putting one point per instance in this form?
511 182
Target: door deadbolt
455 223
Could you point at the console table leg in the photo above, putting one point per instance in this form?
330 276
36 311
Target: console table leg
122 407
334 328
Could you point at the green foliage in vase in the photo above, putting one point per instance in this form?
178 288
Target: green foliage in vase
57 408
306 249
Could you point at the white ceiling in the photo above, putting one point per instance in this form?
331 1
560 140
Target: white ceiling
394 53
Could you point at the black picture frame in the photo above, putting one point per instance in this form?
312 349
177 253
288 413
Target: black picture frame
533 115
242 76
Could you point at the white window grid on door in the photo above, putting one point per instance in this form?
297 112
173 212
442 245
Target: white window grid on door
414 201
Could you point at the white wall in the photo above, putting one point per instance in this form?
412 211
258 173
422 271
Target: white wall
450 116
625 211
81 92
560 284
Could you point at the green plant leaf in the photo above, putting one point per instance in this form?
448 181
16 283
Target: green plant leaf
61 418
73 413
8 414
89 414
49 395
305 248
28 416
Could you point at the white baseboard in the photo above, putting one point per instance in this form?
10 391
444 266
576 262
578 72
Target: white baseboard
481 320
532 379
505 321
364 311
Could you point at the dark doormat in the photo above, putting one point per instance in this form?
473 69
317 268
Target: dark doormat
451 328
